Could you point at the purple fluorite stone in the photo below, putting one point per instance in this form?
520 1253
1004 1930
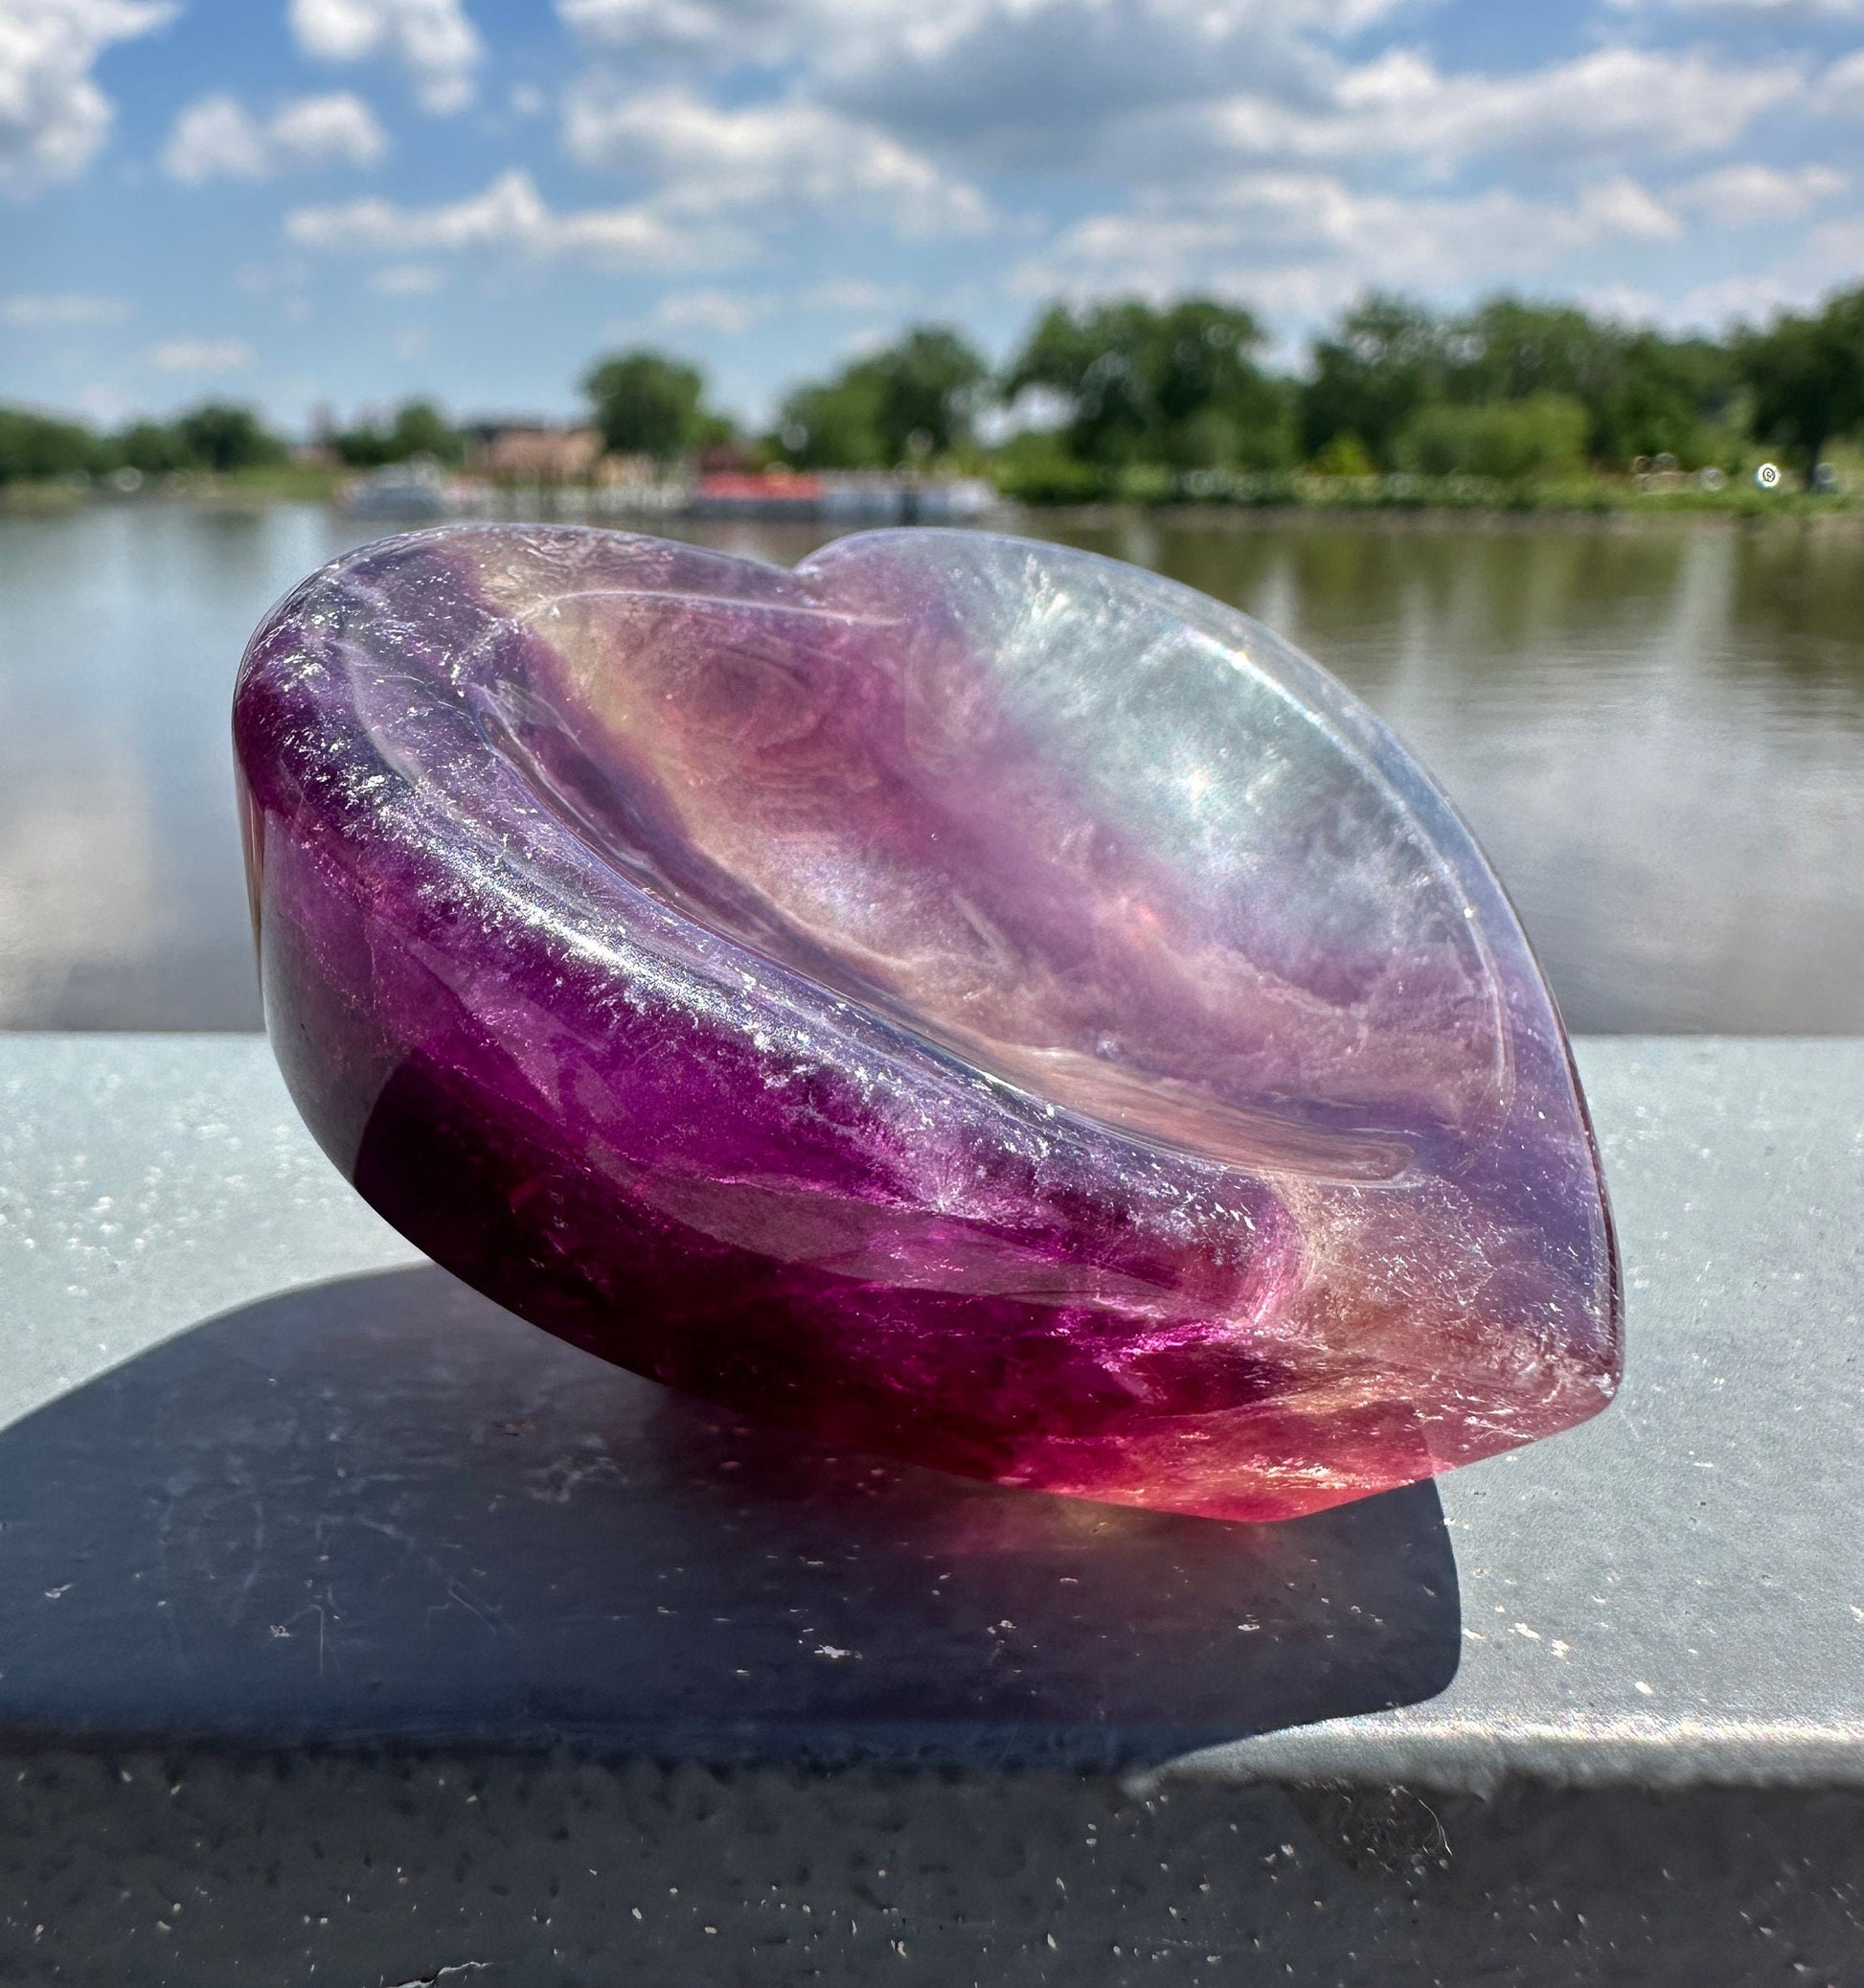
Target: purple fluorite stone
965 997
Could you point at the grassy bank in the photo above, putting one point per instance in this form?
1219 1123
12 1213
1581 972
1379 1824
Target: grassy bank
1309 491
1207 493
269 483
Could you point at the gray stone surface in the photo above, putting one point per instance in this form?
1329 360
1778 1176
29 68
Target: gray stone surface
1675 1593
350 1630
148 1872
1671 1593
145 1184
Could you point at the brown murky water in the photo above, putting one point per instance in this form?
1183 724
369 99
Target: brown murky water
1656 730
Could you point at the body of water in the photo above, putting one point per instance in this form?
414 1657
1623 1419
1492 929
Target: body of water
1656 730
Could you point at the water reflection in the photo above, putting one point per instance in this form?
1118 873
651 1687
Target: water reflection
1658 733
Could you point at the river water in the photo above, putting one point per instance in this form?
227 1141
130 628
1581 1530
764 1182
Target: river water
1655 728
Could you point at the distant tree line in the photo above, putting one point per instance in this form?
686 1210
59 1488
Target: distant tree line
216 436
1510 389
416 429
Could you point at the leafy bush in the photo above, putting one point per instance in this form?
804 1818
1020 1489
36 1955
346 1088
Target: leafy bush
1345 455
37 447
1037 469
1513 442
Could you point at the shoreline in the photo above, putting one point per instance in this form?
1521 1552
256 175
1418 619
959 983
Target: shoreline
1399 519
1592 511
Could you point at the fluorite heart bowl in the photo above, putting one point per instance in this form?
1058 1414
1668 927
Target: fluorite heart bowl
965 998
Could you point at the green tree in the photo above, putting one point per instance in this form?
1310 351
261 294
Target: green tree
1643 394
1806 375
833 424
914 399
419 428
1344 455
365 447
151 447
1216 404
1093 359
1510 349
36 447
1180 385
422 429
649 404
217 435
1388 357
1663 396
927 385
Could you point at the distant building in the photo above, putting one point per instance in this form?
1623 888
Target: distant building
724 459
533 452
631 472
852 497
773 494
318 448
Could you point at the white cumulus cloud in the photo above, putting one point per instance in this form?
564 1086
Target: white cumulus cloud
853 293
201 356
432 39
867 35
1759 10
219 138
32 312
1612 101
1838 251
791 155
1012 78
511 215
1746 195
1738 299
53 115
1841 89
731 312
408 280
1303 242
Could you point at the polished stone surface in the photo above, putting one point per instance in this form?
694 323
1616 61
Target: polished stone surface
963 999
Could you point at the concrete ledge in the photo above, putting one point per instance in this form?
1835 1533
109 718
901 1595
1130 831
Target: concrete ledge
297 1528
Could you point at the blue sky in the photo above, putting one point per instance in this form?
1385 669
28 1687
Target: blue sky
342 202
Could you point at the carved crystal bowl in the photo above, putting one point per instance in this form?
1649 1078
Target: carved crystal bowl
965 997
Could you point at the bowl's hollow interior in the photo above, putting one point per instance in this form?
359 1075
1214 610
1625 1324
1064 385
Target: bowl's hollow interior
1070 839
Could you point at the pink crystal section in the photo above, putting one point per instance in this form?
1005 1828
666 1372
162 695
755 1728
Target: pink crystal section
967 998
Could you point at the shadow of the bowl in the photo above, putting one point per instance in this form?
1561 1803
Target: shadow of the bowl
385 1512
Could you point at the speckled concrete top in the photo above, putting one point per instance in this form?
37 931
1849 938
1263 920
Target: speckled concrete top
1670 1593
